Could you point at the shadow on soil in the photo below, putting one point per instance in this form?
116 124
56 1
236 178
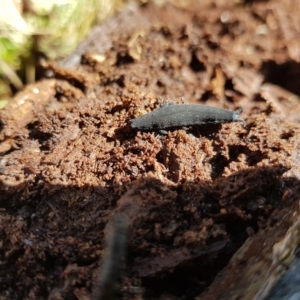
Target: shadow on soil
180 237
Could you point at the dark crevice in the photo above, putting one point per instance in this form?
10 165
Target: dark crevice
286 75
196 65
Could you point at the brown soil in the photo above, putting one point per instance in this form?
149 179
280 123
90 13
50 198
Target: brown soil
74 175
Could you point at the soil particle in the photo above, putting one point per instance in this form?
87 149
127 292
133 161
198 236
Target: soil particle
69 161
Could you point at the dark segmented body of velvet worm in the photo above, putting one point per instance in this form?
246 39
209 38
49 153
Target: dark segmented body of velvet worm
180 115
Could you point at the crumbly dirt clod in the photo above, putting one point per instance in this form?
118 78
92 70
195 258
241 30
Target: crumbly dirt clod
69 161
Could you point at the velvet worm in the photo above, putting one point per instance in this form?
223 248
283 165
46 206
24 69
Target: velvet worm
181 115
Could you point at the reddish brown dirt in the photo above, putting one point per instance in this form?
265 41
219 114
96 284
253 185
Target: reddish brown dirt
69 161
